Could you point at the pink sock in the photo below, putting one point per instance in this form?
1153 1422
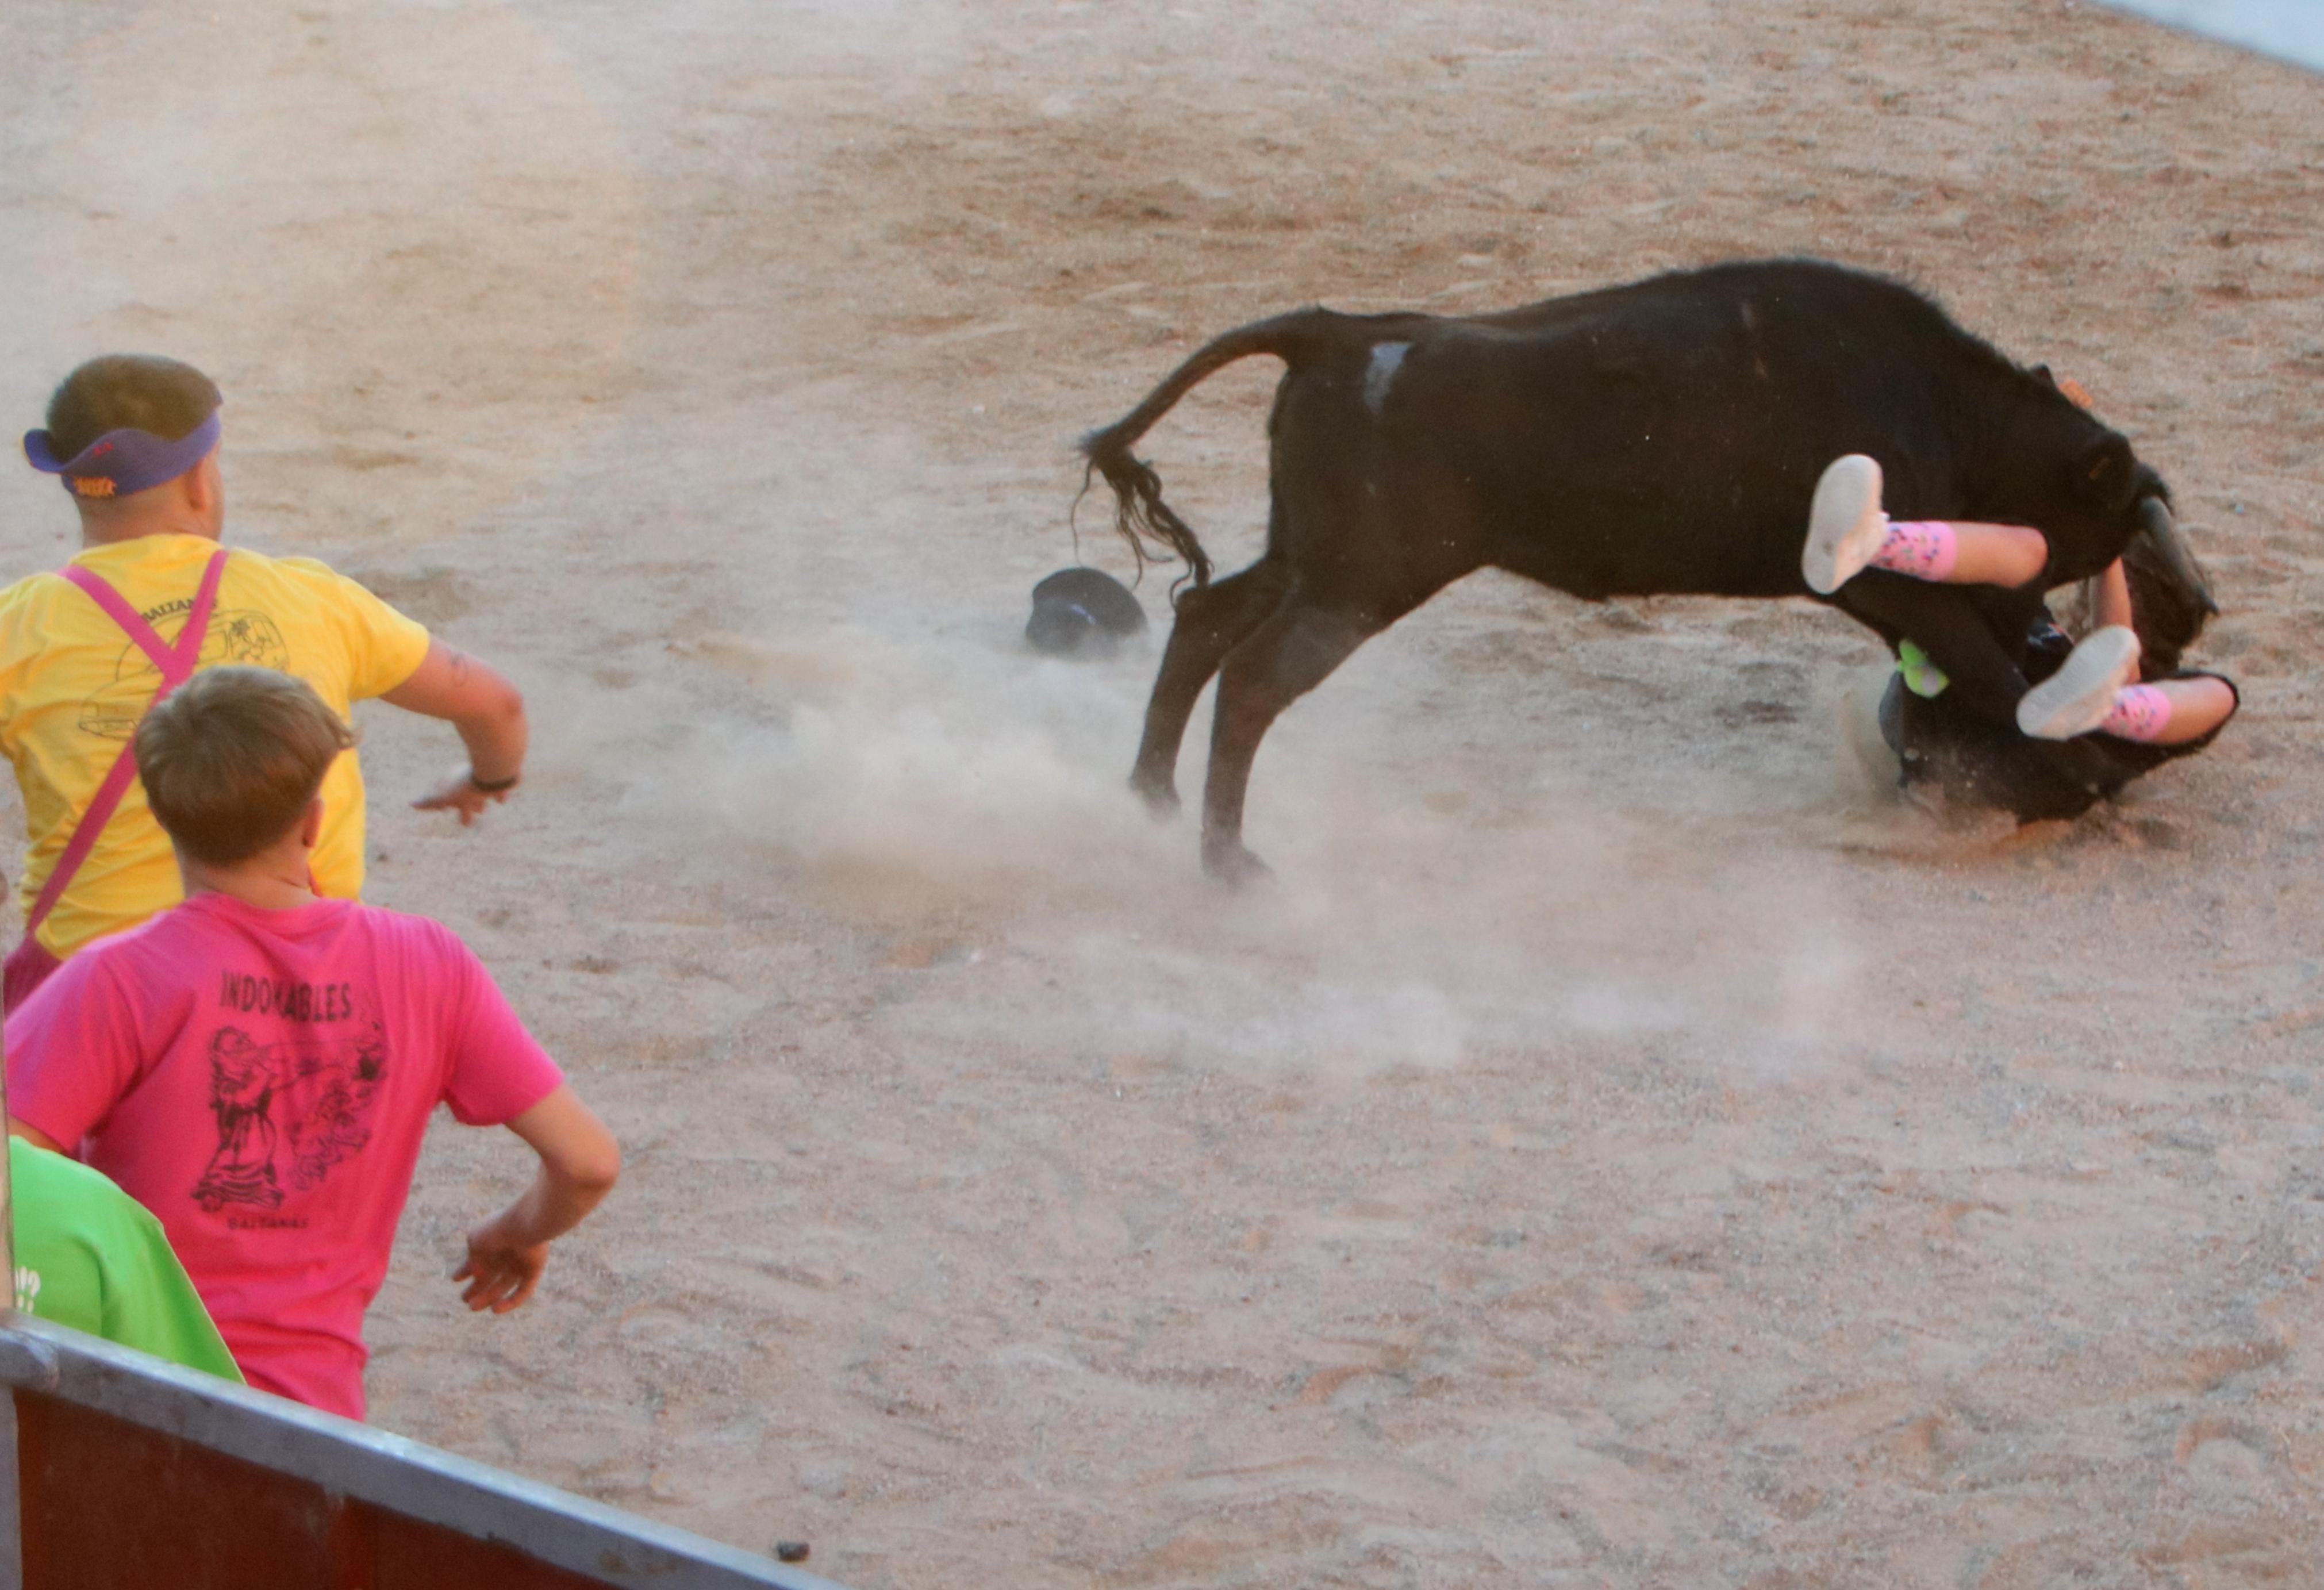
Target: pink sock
2141 711
1923 547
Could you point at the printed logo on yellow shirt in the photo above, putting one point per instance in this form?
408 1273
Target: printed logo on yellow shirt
243 635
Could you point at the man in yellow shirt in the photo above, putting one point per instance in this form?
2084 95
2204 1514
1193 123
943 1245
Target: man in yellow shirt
150 597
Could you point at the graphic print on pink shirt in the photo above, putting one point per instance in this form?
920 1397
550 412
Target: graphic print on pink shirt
311 1100
261 1081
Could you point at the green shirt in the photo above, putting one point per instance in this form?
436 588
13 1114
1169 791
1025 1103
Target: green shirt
90 1256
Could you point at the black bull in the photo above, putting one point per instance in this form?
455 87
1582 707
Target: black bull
1661 437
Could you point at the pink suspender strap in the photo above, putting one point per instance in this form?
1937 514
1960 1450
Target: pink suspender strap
177 666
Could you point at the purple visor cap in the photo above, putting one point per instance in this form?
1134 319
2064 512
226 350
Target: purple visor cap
124 461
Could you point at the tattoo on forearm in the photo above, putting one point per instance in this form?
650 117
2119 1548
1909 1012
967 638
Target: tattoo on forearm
462 664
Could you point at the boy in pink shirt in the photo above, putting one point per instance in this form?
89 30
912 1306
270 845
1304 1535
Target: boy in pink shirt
257 1066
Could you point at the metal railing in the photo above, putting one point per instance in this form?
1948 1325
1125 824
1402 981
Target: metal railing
118 1469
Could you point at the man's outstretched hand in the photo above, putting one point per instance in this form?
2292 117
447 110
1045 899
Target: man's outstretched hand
489 714
459 793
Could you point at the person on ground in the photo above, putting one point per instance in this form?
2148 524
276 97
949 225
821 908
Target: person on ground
90 1256
2097 689
257 1064
150 598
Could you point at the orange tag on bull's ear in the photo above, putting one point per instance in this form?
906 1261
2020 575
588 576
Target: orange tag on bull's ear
92 486
2075 393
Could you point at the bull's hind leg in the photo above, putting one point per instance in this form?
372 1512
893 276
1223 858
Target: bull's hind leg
1294 650
1210 620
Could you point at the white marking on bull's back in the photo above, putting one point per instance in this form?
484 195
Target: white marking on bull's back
1751 339
1387 357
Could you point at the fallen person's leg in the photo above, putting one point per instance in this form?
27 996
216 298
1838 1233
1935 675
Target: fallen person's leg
1849 532
2171 712
2077 698
1977 763
2095 691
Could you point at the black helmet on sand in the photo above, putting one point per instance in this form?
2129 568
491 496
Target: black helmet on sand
1083 613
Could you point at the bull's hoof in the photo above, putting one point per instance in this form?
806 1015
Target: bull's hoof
1160 795
1233 866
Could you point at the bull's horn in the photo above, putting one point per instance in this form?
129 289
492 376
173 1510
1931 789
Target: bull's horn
2162 532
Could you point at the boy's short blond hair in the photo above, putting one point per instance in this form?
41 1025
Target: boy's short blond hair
231 758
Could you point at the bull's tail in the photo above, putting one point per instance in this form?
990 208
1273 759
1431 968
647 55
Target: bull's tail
1139 513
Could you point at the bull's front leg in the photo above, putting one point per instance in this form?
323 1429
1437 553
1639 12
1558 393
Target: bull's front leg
1986 680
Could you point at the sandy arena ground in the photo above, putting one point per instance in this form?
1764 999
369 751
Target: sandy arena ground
1624 1148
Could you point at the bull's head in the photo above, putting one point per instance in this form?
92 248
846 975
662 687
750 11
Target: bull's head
2170 598
2109 492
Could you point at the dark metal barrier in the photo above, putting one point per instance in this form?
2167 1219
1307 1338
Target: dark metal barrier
130 1472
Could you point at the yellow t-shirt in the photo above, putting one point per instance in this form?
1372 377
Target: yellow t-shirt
73 686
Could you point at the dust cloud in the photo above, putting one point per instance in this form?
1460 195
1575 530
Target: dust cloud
974 780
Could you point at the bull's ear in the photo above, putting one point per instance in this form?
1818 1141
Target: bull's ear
2041 373
2105 471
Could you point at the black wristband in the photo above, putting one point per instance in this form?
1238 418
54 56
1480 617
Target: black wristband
492 786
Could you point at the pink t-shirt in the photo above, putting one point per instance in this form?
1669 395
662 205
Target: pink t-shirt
261 1081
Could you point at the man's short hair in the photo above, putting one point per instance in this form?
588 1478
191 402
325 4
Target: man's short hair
143 391
231 758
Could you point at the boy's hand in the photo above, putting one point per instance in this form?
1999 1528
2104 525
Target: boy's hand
502 1274
459 793
579 1163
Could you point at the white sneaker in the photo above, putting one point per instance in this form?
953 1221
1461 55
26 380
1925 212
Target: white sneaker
1844 524
2076 700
